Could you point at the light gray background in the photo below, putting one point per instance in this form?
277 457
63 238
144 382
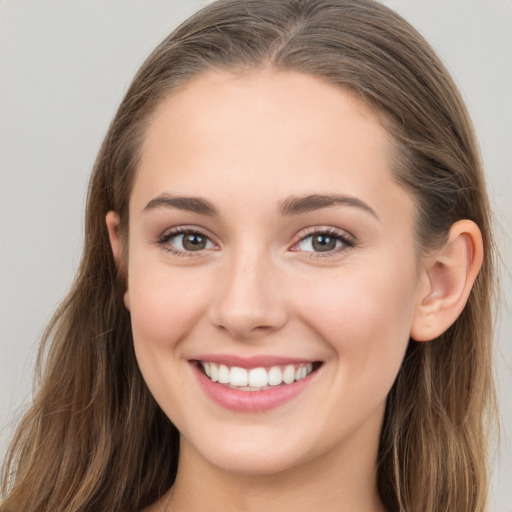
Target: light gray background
64 66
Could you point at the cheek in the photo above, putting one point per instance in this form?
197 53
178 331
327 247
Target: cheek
365 315
164 304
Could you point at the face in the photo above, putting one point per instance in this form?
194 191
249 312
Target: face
271 251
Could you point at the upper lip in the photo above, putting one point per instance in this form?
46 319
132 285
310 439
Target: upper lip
251 362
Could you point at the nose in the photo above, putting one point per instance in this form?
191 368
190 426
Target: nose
249 302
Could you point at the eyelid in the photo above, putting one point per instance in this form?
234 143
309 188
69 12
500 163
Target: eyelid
163 239
347 239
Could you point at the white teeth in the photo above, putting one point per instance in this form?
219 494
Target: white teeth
289 374
238 376
256 378
223 374
275 376
214 369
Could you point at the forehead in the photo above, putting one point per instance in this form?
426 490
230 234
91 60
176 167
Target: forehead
226 135
229 107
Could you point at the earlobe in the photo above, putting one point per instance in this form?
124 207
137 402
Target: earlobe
447 278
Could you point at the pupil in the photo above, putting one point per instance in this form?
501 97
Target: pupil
322 243
194 242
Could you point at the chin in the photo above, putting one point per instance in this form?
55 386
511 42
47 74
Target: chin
251 456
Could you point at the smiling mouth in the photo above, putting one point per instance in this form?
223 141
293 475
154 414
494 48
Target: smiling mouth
256 379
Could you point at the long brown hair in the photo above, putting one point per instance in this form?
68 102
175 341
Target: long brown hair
94 438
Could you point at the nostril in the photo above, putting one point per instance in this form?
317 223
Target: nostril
246 324
263 328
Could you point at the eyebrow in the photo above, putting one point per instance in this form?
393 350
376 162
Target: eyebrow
189 204
290 206
305 204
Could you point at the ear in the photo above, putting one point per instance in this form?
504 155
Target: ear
112 220
447 277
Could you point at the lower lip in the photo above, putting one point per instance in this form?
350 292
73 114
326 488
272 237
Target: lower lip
251 401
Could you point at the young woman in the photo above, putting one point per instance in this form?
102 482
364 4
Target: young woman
284 301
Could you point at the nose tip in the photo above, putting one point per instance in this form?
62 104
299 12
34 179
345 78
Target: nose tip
249 304
248 322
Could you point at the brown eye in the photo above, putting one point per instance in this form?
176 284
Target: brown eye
323 242
194 242
186 242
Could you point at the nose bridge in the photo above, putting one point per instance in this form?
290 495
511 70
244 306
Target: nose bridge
249 302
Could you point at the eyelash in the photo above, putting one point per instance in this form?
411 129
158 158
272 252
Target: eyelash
163 241
346 240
